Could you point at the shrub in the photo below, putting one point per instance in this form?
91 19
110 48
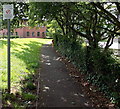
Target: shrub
72 49
30 86
101 68
11 36
29 96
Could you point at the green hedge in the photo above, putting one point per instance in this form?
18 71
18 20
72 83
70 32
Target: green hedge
12 36
105 73
100 67
73 50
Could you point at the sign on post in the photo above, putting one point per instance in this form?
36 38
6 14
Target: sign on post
8 11
8 14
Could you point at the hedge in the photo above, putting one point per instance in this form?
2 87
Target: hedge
100 67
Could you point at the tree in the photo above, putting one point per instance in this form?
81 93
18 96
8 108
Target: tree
83 19
111 12
20 11
52 28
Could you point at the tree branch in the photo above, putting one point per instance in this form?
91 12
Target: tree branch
108 13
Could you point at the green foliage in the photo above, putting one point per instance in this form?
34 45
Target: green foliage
20 12
78 19
29 96
97 57
30 86
7 96
73 50
100 67
104 71
95 22
52 28
29 77
12 36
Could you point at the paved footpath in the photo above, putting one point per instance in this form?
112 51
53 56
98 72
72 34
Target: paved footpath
58 89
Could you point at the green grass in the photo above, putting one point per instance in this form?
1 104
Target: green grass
25 58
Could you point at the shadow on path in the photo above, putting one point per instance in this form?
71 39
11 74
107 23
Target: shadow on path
57 88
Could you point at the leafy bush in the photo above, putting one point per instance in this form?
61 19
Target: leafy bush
11 36
7 96
100 67
30 86
104 71
29 96
72 49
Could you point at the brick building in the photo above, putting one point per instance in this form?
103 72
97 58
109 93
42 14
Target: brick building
26 31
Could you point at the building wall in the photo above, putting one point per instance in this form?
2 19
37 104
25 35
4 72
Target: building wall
33 32
3 32
23 32
18 32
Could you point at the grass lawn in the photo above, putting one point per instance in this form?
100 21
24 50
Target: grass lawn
25 58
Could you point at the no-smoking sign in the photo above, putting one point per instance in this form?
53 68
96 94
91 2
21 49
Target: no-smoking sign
7 12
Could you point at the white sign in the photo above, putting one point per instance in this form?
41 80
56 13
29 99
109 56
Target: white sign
8 11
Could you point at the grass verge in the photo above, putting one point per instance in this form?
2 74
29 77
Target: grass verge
25 59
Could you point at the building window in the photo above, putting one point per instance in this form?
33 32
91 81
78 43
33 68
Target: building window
43 34
28 34
33 34
11 33
16 33
38 33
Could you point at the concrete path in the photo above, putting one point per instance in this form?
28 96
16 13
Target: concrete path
58 89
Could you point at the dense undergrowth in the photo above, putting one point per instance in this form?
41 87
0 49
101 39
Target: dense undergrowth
101 68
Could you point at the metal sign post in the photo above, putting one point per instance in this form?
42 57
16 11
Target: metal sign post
8 14
8 51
